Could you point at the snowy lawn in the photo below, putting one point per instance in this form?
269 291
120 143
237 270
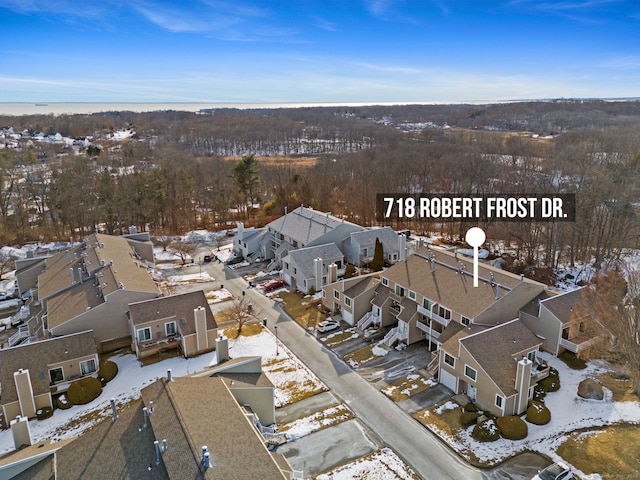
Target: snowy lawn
381 465
336 339
316 421
569 413
201 277
218 296
408 386
290 377
364 355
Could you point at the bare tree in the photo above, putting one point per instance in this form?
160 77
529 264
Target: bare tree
241 312
7 261
183 249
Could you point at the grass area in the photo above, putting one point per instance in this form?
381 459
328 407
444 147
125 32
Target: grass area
293 383
406 387
572 361
360 356
317 421
248 329
336 339
620 386
303 310
445 420
611 452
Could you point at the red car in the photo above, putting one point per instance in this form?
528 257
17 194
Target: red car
273 284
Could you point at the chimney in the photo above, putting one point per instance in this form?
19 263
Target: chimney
523 379
317 268
222 349
333 273
21 432
24 390
202 338
402 247
114 410
156 445
133 230
145 413
206 463
150 407
169 375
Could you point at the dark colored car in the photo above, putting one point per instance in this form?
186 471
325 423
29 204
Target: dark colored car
235 260
208 258
371 334
274 284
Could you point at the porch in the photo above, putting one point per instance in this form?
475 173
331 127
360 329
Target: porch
151 347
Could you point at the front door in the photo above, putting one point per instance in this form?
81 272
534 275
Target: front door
471 392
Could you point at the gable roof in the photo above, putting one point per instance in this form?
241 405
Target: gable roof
36 356
451 281
387 235
361 285
192 412
303 258
174 306
567 306
494 350
306 225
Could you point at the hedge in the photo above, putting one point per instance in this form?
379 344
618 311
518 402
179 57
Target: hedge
512 427
538 413
63 403
108 370
84 390
486 431
468 418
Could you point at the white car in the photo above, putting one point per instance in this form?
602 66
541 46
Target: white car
555 471
328 325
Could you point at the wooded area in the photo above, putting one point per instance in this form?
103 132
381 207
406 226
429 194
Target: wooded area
184 171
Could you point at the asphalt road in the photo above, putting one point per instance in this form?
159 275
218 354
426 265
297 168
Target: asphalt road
418 447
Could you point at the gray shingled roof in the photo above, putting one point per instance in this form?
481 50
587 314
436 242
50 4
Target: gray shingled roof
36 356
387 236
446 285
303 258
177 306
567 305
361 286
306 225
192 412
495 348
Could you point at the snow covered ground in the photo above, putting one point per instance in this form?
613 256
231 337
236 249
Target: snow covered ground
381 465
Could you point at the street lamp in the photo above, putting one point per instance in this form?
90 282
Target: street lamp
276 329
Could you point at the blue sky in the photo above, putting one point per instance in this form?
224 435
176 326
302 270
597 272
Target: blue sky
347 51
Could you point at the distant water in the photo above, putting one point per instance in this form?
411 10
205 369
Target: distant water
59 108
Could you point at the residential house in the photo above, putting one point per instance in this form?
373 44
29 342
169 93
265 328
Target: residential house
359 247
89 287
563 321
33 372
249 242
434 287
351 298
495 367
308 269
200 427
182 322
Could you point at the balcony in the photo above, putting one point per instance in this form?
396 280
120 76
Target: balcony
539 371
433 316
149 347
577 343
428 330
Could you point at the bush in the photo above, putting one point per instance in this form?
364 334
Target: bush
84 391
538 413
349 271
468 418
512 427
552 382
539 393
486 431
44 412
108 370
63 403
572 360
471 407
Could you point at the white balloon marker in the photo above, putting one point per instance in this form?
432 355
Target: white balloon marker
475 237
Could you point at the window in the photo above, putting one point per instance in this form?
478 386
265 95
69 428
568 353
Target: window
449 360
170 328
412 295
144 334
56 375
399 291
324 294
499 401
347 301
470 372
532 356
385 282
336 294
88 366
427 304
464 320
444 312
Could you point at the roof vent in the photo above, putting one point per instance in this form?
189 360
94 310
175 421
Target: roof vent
205 462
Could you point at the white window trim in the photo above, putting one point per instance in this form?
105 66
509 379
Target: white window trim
501 404
142 330
385 281
95 368
166 328
444 359
465 372
463 318
336 294
57 368
347 301
412 295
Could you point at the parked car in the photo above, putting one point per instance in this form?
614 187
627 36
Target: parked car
327 325
274 284
235 260
555 471
207 258
371 334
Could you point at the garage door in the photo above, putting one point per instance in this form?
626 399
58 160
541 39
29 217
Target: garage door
347 316
448 380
